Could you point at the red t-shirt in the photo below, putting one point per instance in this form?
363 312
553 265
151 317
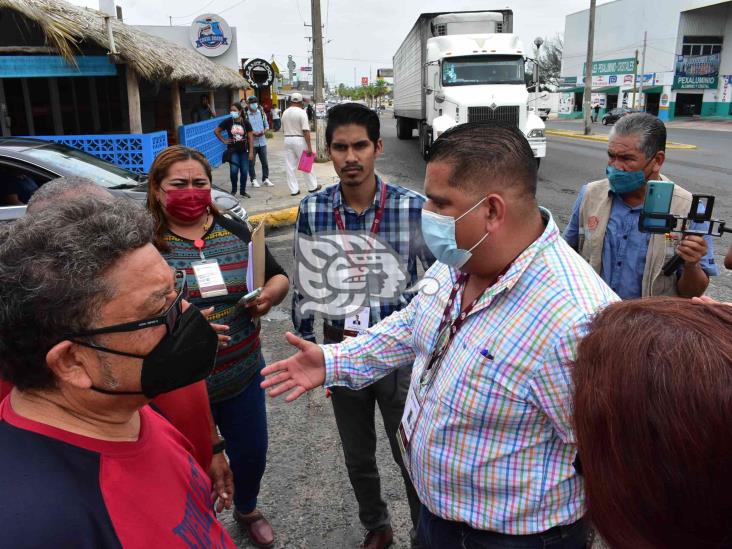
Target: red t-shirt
90 493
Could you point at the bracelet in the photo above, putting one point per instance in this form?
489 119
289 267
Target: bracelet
219 447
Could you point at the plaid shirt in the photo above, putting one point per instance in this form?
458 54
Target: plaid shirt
400 227
493 446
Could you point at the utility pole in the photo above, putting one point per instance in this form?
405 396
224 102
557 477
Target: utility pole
635 80
588 69
643 71
318 79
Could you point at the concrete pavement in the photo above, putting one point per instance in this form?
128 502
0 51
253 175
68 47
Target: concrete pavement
274 205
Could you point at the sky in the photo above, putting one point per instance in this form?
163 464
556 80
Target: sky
362 35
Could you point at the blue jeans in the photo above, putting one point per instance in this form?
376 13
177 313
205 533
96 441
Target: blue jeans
437 533
262 153
242 421
238 167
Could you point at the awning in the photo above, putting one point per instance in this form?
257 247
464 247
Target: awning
573 90
653 89
607 89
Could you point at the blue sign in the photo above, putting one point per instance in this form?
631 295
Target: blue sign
613 79
46 66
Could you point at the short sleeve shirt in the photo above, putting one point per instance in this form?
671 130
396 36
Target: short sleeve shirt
295 121
237 130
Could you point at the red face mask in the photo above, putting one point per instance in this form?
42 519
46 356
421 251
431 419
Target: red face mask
187 204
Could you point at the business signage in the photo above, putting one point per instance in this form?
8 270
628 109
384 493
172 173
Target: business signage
306 69
259 73
364 81
210 35
612 66
696 72
384 73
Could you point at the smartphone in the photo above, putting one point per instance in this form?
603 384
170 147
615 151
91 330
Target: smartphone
251 296
657 201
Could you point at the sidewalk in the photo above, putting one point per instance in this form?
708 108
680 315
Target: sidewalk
274 205
692 123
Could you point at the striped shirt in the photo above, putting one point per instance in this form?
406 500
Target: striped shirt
493 446
400 227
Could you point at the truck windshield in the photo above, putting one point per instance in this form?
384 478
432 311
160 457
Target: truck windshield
483 69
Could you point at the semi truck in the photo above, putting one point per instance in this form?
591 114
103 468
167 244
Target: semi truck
457 67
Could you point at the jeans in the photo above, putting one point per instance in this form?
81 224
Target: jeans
242 421
437 533
354 413
262 153
277 123
238 166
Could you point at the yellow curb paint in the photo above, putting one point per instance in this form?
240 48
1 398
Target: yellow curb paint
577 135
278 218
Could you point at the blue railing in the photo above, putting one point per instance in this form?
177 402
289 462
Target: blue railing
200 136
134 152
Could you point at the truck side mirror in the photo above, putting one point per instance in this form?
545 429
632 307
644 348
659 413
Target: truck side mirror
439 98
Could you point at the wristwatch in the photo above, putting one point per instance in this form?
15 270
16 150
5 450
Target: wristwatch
220 446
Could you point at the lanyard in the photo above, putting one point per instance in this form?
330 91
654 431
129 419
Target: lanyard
377 217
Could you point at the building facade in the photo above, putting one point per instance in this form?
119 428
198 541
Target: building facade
686 69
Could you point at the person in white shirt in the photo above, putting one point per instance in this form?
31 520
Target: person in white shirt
276 122
297 139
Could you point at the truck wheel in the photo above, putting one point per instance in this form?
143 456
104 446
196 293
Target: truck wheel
404 128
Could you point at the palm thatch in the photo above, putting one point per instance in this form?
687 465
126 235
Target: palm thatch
66 26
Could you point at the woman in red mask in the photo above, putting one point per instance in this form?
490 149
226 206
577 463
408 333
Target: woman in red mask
192 234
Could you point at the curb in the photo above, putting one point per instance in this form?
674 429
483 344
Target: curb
277 218
577 135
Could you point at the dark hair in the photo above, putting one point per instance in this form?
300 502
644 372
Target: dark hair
158 171
238 107
482 153
53 267
653 419
352 113
649 128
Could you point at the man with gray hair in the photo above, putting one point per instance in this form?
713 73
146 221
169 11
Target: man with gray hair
94 324
62 189
603 227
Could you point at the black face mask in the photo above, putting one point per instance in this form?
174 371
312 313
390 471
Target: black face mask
183 357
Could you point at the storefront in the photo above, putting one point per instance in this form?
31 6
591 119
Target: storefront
686 67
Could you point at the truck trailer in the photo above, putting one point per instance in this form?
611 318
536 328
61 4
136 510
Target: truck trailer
457 67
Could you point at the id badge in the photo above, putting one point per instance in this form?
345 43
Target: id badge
358 321
210 280
412 409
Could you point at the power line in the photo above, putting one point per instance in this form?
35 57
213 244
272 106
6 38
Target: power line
233 6
197 12
297 3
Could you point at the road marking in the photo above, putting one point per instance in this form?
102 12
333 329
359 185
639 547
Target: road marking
578 135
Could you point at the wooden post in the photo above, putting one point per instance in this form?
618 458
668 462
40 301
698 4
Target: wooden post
133 100
212 100
58 123
28 107
94 105
176 116
3 111
233 98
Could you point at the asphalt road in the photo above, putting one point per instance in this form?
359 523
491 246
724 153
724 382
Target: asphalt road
305 491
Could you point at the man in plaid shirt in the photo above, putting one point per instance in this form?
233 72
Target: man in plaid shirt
363 203
487 431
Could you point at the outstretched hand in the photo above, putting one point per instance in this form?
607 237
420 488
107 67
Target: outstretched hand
298 374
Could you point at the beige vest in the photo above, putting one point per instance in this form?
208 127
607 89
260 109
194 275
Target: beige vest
594 215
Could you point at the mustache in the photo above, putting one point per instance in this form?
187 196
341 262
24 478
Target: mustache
353 167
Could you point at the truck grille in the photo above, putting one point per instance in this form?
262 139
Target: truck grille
509 115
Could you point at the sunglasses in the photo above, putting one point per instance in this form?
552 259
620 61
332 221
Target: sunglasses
169 318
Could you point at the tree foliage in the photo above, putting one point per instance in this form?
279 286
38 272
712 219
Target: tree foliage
371 93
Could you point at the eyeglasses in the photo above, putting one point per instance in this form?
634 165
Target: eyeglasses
169 318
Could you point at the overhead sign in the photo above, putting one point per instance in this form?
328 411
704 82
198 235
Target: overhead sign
696 72
210 35
384 73
306 69
364 81
259 73
612 66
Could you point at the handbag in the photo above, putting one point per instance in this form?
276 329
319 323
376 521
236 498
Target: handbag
226 156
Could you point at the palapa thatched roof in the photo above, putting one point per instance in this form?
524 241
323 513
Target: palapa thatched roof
66 26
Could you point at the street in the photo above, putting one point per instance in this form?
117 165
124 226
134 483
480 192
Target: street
306 492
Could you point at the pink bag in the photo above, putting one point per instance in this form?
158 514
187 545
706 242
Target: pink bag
306 162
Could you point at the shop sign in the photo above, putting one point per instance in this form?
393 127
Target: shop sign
696 72
612 66
664 100
210 35
259 73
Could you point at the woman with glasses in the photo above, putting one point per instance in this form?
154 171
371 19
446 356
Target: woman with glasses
192 235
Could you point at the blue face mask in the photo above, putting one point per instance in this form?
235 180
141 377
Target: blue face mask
439 234
622 182
234 114
253 106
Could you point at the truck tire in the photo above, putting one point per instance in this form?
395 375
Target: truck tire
404 128
425 140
